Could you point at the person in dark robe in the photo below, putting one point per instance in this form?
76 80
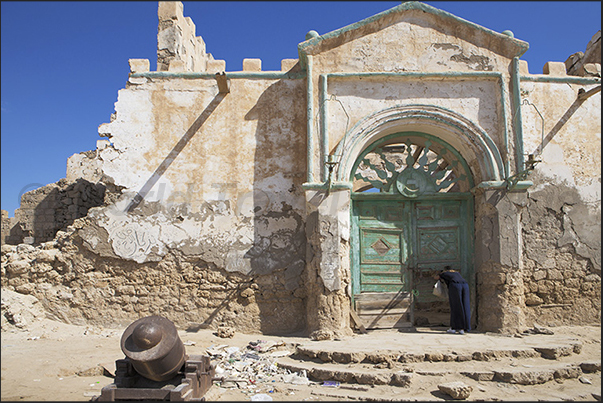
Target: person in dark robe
458 297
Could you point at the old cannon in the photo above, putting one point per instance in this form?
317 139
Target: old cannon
156 366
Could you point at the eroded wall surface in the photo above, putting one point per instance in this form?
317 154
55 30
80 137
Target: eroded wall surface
562 217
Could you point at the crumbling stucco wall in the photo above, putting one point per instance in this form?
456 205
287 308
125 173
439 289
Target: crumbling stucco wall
221 216
562 218
216 178
80 287
210 211
585 63
328 277
51 208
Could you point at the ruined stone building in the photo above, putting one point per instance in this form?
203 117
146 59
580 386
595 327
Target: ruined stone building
330 192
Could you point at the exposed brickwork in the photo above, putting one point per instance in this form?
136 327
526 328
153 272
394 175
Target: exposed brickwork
50 208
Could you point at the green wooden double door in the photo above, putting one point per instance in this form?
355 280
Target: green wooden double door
397 247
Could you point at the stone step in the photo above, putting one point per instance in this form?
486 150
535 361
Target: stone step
343 356
395 374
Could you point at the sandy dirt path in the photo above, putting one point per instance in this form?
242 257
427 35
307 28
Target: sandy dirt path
53 361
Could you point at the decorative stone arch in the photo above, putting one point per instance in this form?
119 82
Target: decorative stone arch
470 140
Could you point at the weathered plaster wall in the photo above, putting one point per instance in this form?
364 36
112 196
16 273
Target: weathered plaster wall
562 218
220 230
220 175
430 44
412 42
328 277
77 286
350 100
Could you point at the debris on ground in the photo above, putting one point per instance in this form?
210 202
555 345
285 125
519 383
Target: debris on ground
253 369
456 390
225 332
537 329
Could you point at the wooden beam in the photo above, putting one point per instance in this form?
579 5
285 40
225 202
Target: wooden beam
357 321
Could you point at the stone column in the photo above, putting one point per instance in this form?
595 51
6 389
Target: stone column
328 263
498 261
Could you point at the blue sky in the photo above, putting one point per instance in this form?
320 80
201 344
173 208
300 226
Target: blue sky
64 62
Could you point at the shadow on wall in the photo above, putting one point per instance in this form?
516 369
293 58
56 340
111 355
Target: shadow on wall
165 164
51 208
279 246
277 258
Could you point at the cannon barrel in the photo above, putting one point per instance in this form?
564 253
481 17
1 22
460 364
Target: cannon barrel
154 348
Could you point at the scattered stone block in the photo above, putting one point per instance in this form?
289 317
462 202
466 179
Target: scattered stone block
321 374
593 366
225 332
373 378
434 357
347 357
456 390
567 373
402 379
553 353
411 357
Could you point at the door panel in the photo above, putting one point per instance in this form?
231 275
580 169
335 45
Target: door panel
379 246
439 242
401 246
384 309
383 280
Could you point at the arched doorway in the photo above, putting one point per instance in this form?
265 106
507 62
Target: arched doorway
411 215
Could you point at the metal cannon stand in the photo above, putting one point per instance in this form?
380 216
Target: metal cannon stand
189 384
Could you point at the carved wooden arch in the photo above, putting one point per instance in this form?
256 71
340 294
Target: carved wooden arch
472 142
411 164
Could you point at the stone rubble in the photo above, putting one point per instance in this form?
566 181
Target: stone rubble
255 368
457 390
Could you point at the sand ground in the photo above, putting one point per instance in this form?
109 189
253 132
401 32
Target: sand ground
54 361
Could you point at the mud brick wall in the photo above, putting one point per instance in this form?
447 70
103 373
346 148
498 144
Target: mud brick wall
50 208
79 287
562 270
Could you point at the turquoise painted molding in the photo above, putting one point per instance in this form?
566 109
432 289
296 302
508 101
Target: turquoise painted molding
323 126
445 74
491 158
517 121
504 96
480 74
310 121
325 186
268 75
520 185
562 80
